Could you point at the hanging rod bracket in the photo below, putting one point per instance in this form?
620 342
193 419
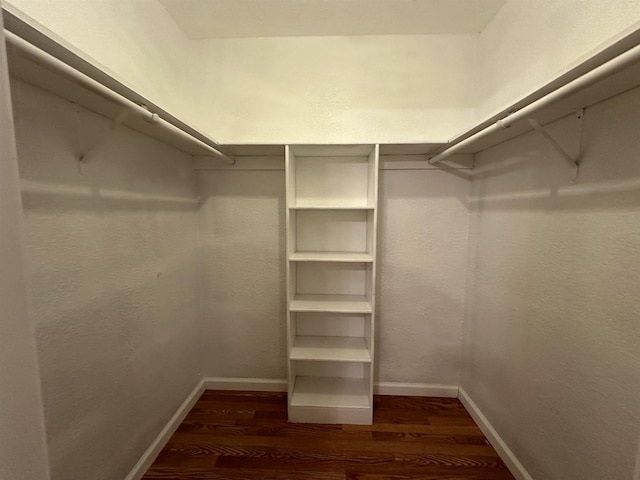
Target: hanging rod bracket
503 123
153 118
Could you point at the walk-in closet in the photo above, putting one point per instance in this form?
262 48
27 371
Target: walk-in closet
320 239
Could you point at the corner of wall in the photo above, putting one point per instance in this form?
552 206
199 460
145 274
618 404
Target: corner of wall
505 453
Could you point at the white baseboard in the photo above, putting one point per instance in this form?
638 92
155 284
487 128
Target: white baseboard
380 388
416 389
140 468
279 385
507 456
253 384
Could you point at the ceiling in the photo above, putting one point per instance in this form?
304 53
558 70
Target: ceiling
201 19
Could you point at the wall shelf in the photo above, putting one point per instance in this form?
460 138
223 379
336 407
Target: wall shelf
331 303
332 194
343 349
330 392
624 76
42 59
348 257
330 206
611 72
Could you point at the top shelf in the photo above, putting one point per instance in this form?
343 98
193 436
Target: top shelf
40 58
330 206
332 177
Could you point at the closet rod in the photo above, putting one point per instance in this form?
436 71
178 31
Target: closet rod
48 60
614 65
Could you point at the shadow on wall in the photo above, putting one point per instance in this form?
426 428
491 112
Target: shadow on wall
112 258
551 338
533 176
54 134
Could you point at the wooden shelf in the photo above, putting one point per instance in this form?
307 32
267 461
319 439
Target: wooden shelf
34 71
330 206
331 303
338 349
332 193
330 392
331 257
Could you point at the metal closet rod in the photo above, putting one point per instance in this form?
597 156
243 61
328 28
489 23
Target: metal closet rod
78 77
614 65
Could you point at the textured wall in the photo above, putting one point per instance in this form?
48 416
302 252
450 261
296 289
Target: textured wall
551 330
531 41
422 257
422 254
365 89
112 249
23 452
242 227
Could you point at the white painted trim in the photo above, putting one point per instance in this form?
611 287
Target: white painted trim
462 161
254 162
280 385
507 456
147 458
253 384
416 389
379 388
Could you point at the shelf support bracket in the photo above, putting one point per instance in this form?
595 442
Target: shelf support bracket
458 172
572 160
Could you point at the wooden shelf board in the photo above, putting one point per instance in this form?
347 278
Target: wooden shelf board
330 257
330 392
331 150
331 303
330 206
339 349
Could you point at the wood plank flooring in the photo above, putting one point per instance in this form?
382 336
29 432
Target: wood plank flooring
231 435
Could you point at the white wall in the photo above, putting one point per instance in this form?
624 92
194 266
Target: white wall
99 236
137 41
242 228
529 42
335 89
422 258
422 264
552 331
23 451
112 259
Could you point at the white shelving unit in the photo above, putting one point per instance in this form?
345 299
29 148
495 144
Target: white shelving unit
332 196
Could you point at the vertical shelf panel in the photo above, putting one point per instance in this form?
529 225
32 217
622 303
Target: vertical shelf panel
332 195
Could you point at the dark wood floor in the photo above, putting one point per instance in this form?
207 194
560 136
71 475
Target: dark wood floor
245 435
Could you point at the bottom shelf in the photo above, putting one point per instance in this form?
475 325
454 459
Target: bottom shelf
330 400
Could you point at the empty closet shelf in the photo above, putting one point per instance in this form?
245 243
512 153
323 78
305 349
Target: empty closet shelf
330 206
330 392
343 349
331 303
331 257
